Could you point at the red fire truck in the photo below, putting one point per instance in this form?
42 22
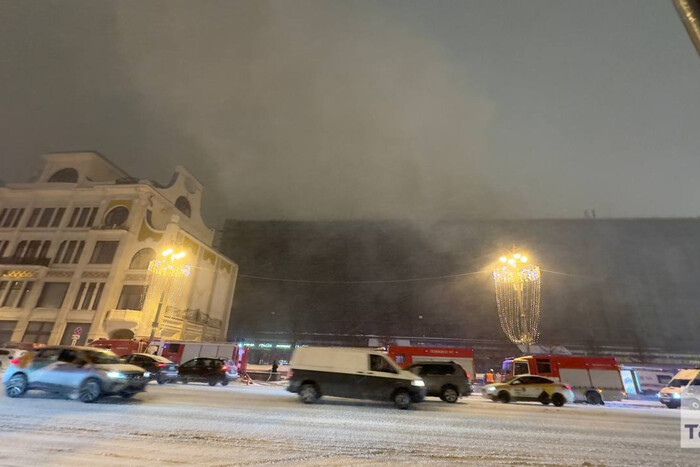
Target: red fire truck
406 356
177 351
593 379
183 351
121 347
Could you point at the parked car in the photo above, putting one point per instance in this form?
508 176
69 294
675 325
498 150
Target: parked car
83 373
530 388
160 368
352 373
683 388
446 380
9 354
209 370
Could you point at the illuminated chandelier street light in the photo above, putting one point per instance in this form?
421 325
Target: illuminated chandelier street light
166 280
517 284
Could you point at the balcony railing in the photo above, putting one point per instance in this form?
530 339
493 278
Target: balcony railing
17 261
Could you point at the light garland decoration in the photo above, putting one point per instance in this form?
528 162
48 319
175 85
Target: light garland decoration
517 283
167 279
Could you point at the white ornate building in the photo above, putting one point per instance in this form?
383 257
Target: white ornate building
75 244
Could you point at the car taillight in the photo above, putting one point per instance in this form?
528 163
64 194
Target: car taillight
161 365
566 386
290 373
225 367
15 361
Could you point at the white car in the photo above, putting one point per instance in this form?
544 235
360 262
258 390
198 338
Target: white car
9 354
530 388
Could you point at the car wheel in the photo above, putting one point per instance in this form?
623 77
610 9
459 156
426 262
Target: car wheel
671 405
504 397
161 379
594 398
402 399
449 394
16 386
693 404
184 380
127 395
558 400
212 381
224 382
544 398
90 390
308 394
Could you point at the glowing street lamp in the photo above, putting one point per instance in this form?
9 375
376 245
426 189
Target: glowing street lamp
517 285
167 276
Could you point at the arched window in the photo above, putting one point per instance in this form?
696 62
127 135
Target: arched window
64 176
116 217
183 205
142 258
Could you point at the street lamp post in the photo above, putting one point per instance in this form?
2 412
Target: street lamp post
166 275
517 285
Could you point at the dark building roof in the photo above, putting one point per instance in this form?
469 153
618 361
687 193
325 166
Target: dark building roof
617 282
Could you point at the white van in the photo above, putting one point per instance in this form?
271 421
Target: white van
685 388
353 373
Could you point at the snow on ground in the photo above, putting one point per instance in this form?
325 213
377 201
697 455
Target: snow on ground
238 424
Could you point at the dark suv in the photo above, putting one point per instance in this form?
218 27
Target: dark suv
446 380
209 370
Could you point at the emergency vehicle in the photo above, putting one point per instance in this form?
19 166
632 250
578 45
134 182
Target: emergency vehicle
121 347
406 356
184 351
177 351
592 379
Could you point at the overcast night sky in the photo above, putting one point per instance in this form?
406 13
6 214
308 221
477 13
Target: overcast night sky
355 110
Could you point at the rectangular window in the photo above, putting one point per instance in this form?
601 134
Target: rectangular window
131 297
3 287
79 295
6 330
10 217
543 366
12 294
33 218
78 252
3 247
59 216
98 295
3 213
69 251
46 216
44 249
91 219
17 219
52 295
73 217
82 220
104 252
88 296
28 286
32 250
38 332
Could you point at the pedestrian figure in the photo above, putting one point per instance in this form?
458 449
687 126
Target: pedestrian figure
275 366
489 377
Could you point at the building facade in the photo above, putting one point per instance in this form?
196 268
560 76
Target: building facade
75 244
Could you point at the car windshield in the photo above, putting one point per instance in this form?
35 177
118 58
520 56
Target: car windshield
103 358
677 383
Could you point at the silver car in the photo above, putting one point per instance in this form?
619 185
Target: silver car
84 373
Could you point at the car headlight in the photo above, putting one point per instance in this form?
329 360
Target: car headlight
115 374
676 395
491 388
417 382
146 374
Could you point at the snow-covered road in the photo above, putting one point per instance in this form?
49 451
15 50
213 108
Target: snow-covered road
198 424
